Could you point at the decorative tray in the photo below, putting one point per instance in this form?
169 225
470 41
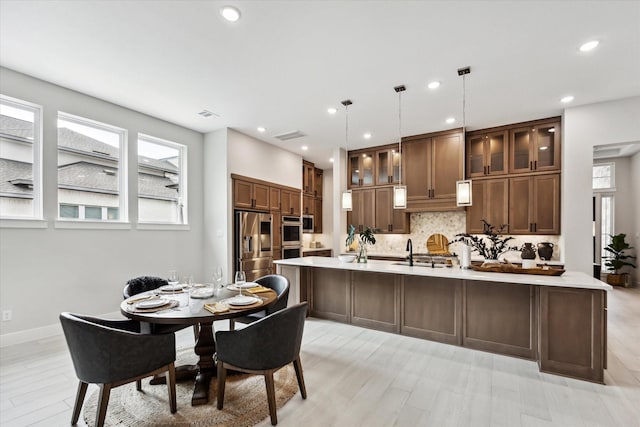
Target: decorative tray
511 268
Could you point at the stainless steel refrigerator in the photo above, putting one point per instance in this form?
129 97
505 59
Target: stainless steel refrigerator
253 246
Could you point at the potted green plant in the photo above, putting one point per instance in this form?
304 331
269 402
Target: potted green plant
366 237
491 245
618 259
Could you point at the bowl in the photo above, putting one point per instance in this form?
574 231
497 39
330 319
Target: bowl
346 258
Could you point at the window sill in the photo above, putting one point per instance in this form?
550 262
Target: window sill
23 223
162 226
92 225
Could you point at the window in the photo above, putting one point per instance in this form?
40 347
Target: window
603 176
20 154
161 181
91 159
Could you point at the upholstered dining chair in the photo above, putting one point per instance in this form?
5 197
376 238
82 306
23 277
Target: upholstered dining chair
262 348
280 285
111 353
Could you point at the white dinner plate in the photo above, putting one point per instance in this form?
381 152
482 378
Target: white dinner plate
152 303
243 300
171 288
246 285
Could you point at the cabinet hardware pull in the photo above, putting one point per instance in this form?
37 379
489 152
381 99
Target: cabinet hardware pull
488 169
535 165
531 165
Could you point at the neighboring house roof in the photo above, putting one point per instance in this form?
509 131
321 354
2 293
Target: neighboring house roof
15 127
18 172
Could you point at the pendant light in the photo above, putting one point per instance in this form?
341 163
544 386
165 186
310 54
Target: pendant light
347 200
463 188
400 191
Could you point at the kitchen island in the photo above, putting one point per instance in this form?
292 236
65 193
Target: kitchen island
559 321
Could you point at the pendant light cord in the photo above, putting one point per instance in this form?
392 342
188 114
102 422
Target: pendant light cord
400 134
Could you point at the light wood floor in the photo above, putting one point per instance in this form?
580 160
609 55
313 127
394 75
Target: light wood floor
359 377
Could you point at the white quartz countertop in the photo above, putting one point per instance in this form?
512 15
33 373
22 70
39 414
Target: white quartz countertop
569 279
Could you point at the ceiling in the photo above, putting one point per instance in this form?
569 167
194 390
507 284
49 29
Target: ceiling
285 62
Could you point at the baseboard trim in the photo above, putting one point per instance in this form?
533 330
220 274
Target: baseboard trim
42 332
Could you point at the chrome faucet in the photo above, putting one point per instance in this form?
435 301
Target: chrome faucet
410 249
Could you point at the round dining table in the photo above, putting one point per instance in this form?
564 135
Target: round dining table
186 311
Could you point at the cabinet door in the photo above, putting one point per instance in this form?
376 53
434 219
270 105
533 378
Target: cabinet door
383 167
546 204
497 153
307 205
446 165
261 196
361 169
496 204
520 150
547 147
295 203
274 199
416 169
308 178
288 200
476 165
317 215
317 183
363 213
242 194
384 208
476 212
276 231
520 198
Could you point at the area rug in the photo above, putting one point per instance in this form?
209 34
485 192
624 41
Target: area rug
245 401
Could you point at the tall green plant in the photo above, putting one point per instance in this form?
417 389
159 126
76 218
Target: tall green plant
618 258
492 245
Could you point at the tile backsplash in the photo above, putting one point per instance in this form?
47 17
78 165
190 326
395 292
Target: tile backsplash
449 224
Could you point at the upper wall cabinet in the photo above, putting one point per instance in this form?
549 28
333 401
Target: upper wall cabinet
290 202
308 178
250 195
361 168
317 184
432 165
487 154
535 148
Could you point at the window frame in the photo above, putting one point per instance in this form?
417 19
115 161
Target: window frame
122 167
183 200
612 187
37 211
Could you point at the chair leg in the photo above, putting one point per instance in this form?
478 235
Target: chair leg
82 391
139 385
222 376
232 325
105 391
171 387
271 396
298 367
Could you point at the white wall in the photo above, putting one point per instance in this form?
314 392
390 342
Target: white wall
583 127
46 271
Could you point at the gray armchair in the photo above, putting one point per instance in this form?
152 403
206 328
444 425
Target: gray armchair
280 285
111 353
262 348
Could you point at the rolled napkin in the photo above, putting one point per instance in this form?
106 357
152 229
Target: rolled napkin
216 307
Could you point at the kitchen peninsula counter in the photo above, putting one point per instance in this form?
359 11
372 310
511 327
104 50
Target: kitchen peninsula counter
559 321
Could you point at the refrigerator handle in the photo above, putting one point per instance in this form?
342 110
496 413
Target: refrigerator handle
250 244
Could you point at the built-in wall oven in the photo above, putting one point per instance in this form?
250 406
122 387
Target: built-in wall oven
291 237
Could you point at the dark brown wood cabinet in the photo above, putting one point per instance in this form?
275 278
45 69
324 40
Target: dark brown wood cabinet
490 202
364 206
535 148
387 166
250 195
317 183
308 178
432 165
274 199
487 154
388 219
291 203
361 168
317 215
534 204
307 205
276 233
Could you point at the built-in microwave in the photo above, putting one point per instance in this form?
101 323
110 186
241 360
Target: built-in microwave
307 223
291 231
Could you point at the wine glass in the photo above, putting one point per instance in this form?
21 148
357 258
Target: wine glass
172 279
240 280
217 281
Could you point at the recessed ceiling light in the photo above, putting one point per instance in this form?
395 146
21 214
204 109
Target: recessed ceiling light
332 110
261 129
331 160
433 85
450 120
367 135
567 99
304 148
230 13
589 46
